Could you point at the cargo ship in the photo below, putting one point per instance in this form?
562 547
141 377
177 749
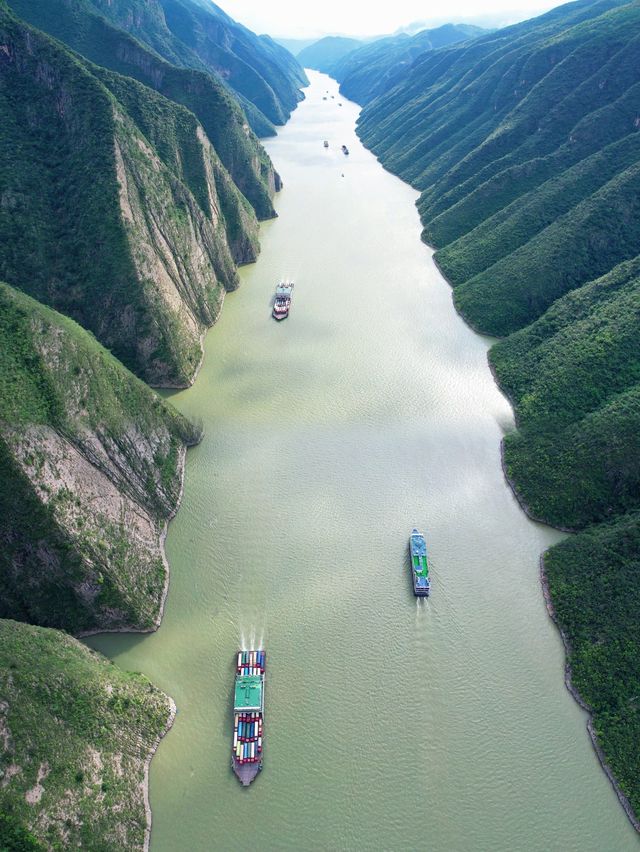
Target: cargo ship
248 715
419 565
282 301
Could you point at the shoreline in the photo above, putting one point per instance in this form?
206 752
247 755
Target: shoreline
624 801
147 764
633 818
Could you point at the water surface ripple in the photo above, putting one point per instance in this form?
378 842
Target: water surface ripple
391 724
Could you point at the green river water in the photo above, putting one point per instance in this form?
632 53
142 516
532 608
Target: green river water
391 724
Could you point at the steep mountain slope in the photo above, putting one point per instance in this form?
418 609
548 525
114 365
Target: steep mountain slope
80 25
323 54
367 72
263 72
198 34
91 464
525 145
77 735
112 207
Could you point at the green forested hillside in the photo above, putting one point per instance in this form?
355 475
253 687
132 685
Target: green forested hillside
368 71
130 230
324 53
525 145
83 28
77 734
90 472
187 34
262 72
593 581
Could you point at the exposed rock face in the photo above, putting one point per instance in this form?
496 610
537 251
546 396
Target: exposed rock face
76 738
91 466
115 208
175 72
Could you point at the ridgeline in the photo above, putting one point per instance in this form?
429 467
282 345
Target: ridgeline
525 145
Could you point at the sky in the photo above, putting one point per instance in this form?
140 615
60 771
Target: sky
316 18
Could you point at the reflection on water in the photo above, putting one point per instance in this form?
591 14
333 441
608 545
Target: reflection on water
391 723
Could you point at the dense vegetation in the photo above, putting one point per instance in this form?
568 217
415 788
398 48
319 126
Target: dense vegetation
525 145
76 733
186 34
112 201
130 186
593 580
367 69
90 471
82 27
323 54
370 70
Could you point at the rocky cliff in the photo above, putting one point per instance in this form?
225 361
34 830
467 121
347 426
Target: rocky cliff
90 472
112 204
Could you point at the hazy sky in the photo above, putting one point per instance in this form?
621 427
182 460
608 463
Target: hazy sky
300 19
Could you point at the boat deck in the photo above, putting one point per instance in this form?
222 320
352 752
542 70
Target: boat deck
246 772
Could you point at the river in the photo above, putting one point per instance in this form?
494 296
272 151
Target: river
391 724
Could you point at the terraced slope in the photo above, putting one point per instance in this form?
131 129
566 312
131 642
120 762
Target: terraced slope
77 734
90 472
525 145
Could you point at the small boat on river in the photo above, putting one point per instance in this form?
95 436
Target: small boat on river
419 565
282 301
248 715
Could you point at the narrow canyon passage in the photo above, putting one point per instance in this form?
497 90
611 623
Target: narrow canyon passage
390 723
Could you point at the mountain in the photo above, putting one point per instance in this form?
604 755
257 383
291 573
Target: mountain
116 208
82 26
324 53
193 34
78 734
295 45
91 469
366 72
525 146
130 189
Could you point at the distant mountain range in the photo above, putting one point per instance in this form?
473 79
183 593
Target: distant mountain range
366 68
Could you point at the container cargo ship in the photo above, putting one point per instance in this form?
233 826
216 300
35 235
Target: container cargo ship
248 715
419 565
282 301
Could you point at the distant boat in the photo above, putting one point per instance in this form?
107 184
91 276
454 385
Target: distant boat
419 565
345 150
326 143
282 301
